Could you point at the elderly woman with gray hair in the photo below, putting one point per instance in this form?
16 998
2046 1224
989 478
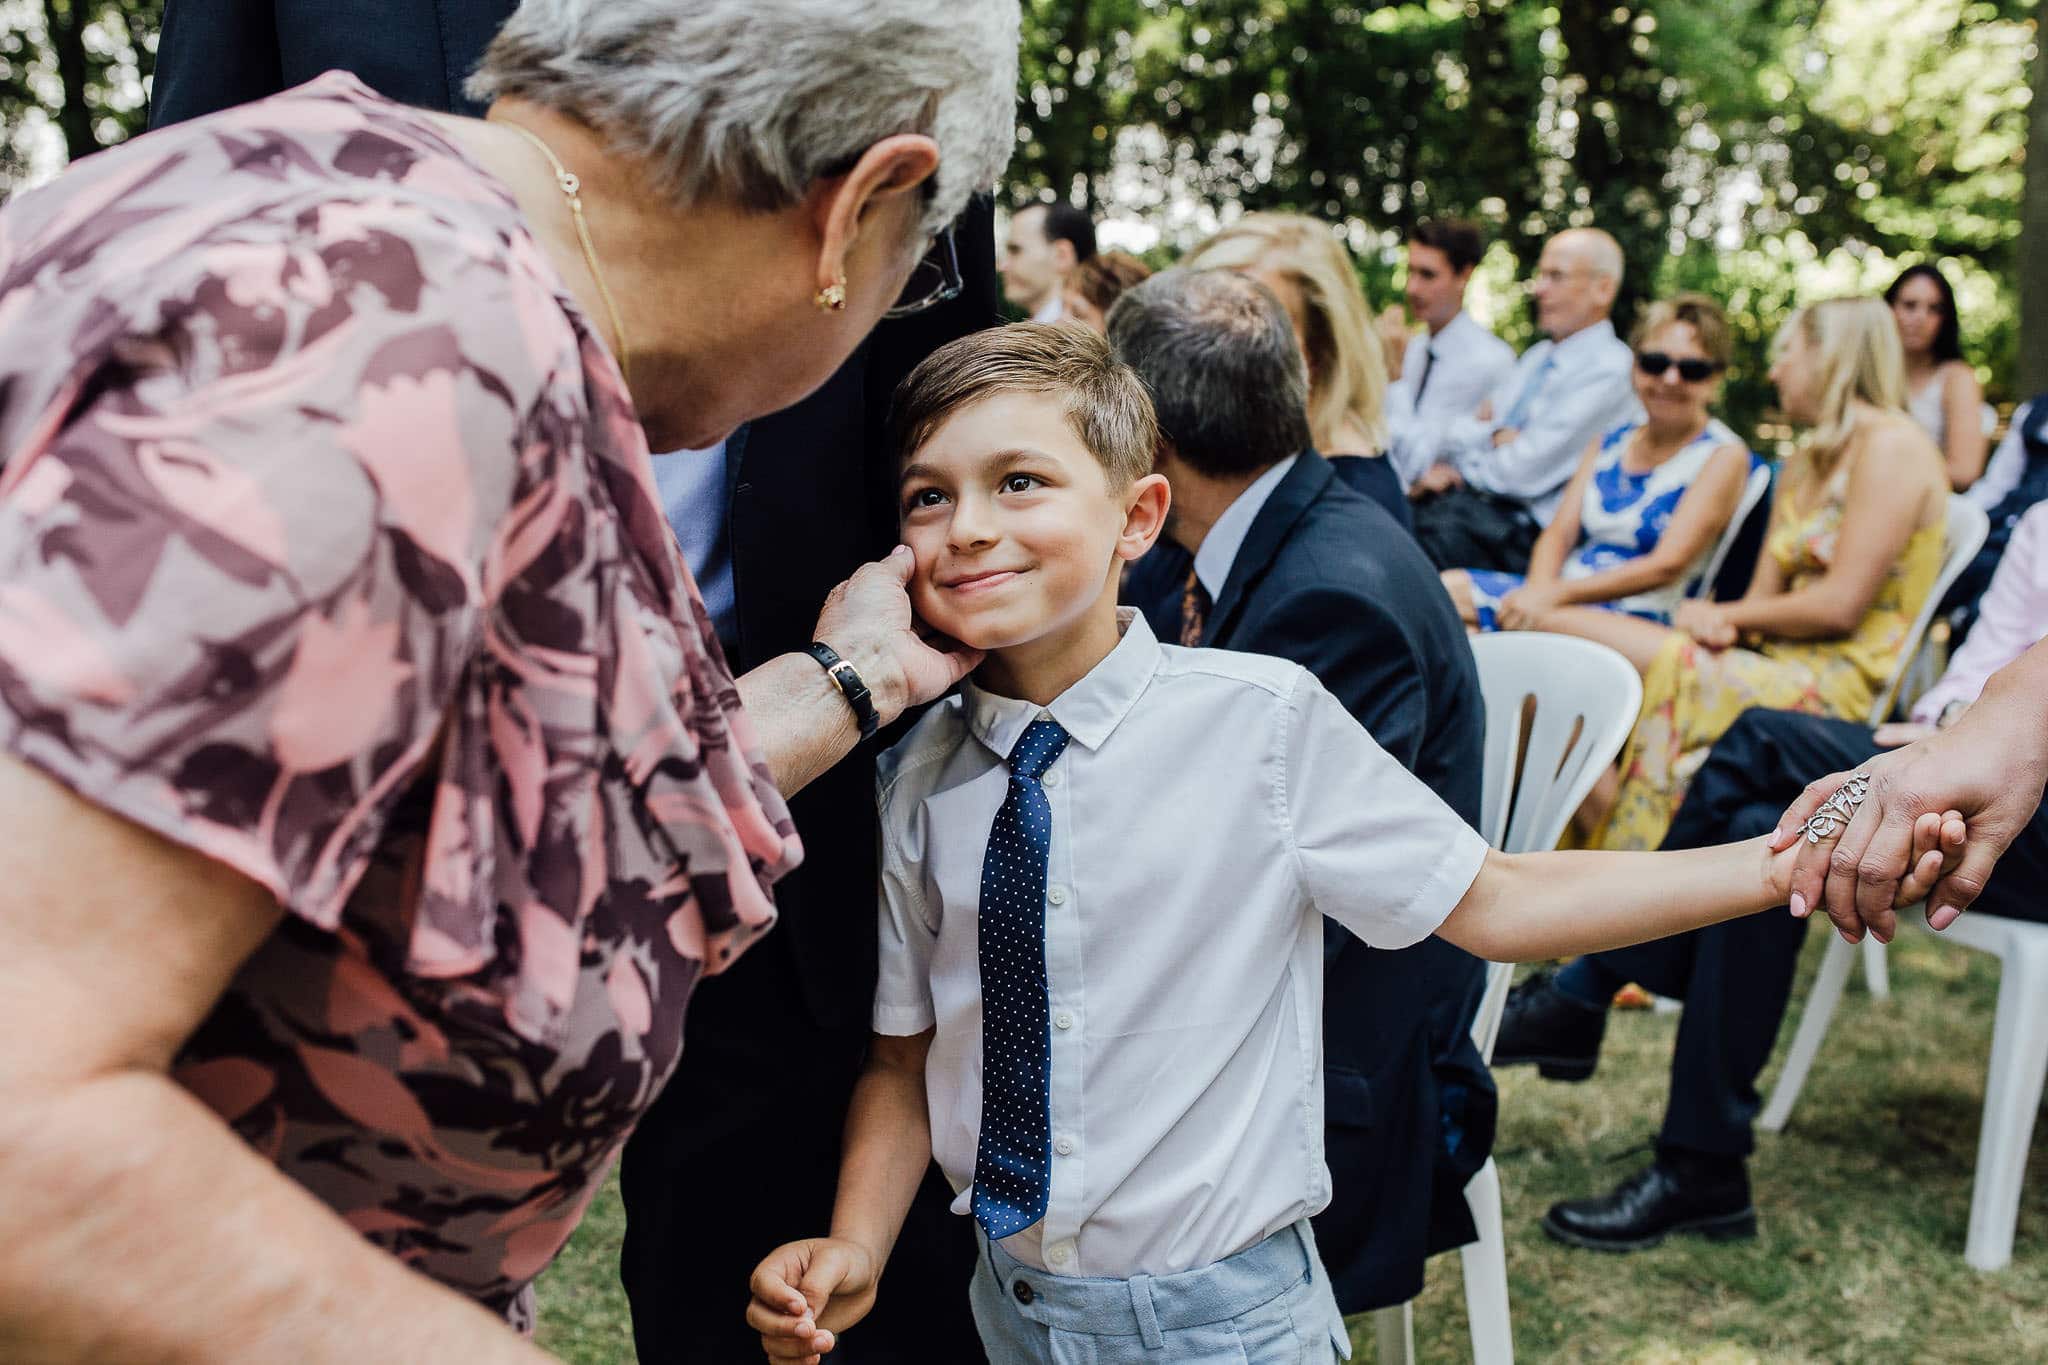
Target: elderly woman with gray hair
342 641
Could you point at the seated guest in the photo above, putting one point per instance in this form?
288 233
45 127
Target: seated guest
1491 485
1942 391
1735 978
1857 530
1098 282
2015 480
1650 500
1445 372
1291 562
1313 276
1046 244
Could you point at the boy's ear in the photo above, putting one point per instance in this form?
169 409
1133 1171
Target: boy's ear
1144 516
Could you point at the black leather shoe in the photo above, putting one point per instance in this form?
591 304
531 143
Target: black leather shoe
1543 1025
1654 1203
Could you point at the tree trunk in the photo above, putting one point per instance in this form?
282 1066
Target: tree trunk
2033 375
66 22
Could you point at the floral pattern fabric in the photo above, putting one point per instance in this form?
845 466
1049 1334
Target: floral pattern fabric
1691 695
329 547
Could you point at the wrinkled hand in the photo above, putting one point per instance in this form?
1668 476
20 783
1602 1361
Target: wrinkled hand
1935 841
1526 606
1706 622
867 620
1438 478
1980 774
806 1293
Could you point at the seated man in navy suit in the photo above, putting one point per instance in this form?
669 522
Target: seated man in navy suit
1288 560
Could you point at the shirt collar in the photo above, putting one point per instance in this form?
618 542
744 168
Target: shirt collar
1584 341
1053 310
1089 710
1448 335
1226 537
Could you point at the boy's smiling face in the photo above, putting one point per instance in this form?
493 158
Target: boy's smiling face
1017 532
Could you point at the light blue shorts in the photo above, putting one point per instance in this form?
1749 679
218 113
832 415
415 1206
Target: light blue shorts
1268 1305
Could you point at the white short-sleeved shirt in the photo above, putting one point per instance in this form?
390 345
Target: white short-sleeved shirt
1210 808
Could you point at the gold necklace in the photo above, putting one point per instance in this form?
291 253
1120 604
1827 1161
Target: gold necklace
571 188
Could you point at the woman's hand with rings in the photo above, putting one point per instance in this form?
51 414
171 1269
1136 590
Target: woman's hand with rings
867 620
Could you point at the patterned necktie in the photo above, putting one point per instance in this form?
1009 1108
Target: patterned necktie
1194 611
1012 1165
1531 391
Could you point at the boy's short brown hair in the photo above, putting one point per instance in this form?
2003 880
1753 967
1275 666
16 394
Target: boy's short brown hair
1106 402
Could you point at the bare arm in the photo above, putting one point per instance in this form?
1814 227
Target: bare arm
1701 516
135 1225
803 723
1876 524
1529 906
1963 446
806 1292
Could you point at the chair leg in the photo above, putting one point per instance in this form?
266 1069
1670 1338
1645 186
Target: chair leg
1877 977
1813 1026
1393 1331
2012 1096
1486 1273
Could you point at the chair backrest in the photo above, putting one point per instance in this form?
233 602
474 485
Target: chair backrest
1558 710
1753 493
1967 528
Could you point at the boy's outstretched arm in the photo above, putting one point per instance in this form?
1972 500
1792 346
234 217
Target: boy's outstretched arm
804 1293
1528 906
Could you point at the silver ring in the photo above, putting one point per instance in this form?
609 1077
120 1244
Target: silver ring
1839 809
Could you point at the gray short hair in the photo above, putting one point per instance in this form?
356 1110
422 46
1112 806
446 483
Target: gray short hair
1219 355
757 99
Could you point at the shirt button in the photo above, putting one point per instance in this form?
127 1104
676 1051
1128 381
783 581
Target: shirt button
1022 1292
1065 1146
1058 895
1063 1020
1060 1254
1049 780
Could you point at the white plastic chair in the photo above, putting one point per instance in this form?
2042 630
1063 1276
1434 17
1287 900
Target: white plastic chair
1753 493
2012 1083
1967 527
1581 699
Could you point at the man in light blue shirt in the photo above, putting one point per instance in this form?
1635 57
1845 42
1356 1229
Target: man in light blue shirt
1497 475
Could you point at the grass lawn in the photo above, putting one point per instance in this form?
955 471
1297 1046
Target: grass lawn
1863 1201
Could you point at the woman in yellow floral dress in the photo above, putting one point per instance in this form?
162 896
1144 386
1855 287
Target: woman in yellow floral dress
1857 534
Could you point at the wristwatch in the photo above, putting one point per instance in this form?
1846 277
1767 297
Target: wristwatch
850 686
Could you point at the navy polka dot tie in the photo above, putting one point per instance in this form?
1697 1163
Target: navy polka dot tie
1012 1164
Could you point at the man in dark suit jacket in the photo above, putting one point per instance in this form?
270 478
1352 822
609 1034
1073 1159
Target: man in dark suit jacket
1289 561
716 1176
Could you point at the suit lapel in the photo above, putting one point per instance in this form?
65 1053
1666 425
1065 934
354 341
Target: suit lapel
1301 486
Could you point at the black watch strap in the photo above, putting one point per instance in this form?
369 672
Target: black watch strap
850 686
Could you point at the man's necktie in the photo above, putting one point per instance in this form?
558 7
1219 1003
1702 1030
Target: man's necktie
1012 1162
1194 611
1518 415
1428 368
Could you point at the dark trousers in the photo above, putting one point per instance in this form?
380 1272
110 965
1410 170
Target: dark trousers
741 1154
1736 978
1468 529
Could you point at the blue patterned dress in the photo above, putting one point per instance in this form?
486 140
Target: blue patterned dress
1622 518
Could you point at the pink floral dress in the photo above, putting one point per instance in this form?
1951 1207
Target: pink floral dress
329 547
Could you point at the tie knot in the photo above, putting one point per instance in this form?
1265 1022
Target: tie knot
1037 749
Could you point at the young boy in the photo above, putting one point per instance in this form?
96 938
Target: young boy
1103 871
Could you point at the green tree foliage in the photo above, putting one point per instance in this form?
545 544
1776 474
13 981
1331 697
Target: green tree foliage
73 79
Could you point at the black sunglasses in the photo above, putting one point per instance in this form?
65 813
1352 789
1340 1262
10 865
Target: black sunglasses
1654 363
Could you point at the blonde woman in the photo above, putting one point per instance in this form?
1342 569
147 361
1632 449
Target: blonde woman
1301 260
1857 530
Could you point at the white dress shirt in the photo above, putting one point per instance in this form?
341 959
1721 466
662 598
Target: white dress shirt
2008 462
1586 394
1209 809
1226 537
2011 619
1055 308
1465 364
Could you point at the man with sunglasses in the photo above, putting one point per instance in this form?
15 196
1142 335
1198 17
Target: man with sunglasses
1489 487
768 523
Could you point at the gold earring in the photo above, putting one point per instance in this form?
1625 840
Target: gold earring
832 298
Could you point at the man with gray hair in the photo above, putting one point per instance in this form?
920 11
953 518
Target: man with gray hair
1492 480
1290 561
